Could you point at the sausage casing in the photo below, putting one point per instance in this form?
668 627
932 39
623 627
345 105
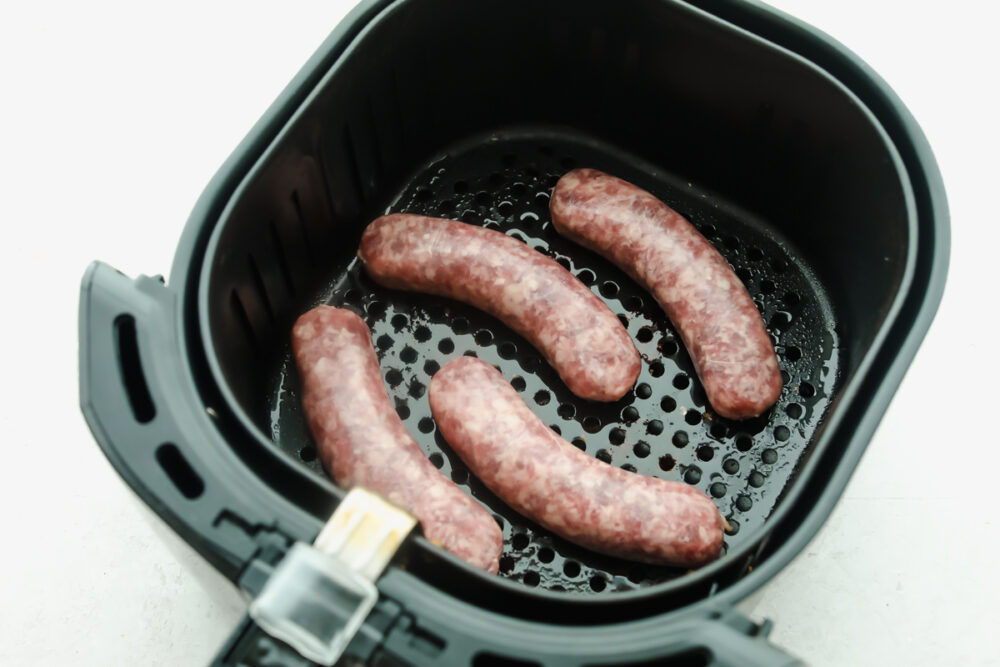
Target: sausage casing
361 440
550 481
697 289
529 292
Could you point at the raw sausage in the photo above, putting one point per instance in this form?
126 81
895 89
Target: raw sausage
363 442
552 482
692 282
532 294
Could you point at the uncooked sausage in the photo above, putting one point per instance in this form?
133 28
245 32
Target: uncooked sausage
545 478
529 292
363 442
697 289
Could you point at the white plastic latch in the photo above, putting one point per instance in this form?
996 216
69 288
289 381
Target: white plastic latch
319 595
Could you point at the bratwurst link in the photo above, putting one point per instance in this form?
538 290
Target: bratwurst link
363 442
553 483
692 282
532 294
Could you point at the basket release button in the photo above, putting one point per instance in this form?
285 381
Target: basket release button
319 595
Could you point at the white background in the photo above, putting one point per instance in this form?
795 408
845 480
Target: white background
114 117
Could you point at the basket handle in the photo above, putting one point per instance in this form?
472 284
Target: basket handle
140 402
696 636
734 640
143 408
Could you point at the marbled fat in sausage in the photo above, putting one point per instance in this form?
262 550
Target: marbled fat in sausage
363 442
692 282
529 292
545 478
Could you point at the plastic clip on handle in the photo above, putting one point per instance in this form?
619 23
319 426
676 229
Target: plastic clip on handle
320 594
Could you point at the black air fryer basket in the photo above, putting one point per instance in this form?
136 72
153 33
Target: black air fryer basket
783 149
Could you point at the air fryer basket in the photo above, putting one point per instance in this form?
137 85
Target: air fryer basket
663 428
827 200
815 186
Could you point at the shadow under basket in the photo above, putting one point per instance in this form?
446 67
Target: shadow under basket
790 156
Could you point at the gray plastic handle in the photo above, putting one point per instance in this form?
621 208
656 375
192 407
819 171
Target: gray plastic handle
721 639
731 646
138 397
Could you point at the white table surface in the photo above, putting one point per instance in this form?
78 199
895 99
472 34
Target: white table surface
114 117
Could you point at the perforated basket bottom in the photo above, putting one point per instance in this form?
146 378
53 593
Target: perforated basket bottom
664 427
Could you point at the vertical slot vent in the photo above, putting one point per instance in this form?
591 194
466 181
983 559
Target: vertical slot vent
303 227
180 472
352 156
397 108
240 313
261 288
372 128
130 369
279 253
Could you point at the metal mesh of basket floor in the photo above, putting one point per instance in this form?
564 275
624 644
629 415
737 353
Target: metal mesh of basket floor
664 427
